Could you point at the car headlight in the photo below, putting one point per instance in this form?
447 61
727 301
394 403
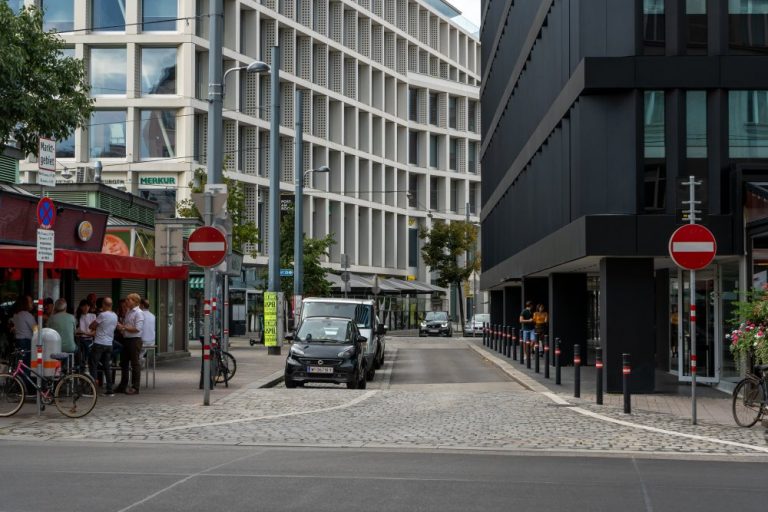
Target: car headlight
347 353
423 324
445 324
296 351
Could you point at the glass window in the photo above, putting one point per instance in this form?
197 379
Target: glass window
454 149
748 26
158 71
653 27
66 148
108 71
106 134
696 123
158 15
157 136
413 105
16 5
748 124
472 157
413 148
58 15
696 26
653 121
473 198
433 151
433 106
453 103
434 194
471 116
108 15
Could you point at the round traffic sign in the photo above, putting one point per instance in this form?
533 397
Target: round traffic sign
692 246
46 213
207 246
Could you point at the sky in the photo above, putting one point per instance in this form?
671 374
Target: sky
470 9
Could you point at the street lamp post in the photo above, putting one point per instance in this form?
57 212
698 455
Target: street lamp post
298 235
274 187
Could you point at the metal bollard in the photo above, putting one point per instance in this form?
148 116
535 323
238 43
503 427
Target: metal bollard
536 347
505 347
558 381
496 334
576 371
626 370
528 354
511 337
514 344
485 334
521 346
599 370
546 356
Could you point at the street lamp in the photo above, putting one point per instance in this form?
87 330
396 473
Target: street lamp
298 235
256 66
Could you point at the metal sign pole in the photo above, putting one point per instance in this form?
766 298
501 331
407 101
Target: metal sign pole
692 292
39 348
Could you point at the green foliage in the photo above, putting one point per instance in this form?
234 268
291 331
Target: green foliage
314 273
750 337
243 231
42 93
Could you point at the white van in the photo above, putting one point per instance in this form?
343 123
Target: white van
364 313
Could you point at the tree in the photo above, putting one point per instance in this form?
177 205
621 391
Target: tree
314 273
243 230
444 244
42 93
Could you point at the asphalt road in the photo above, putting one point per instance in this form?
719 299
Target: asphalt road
105 478
426 363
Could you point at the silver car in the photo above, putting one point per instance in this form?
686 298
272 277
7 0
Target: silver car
474 327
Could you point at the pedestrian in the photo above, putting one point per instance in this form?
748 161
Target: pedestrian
24 326
47 310
540 321
83 333
131 328
527 327
64 324
91 299
101 351
148 330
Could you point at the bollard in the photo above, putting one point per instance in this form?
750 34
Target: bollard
557 362
528 353
514 344
576 371
546 356
485 334
504 347
510 337
536 356
496 338
599 370
521 346
626 370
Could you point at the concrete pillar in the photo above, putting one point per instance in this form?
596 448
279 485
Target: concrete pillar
513 304
627 321
497 306
568 311
663 329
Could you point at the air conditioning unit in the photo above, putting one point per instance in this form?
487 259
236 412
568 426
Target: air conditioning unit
86 175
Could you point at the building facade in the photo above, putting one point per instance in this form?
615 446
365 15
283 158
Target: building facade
594 115
391 105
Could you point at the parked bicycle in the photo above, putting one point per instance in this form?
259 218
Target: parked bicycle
749 397
73 394
224 364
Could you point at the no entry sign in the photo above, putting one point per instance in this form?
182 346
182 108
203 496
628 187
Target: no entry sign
692 247
207 246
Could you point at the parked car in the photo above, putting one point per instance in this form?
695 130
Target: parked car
475 324
364 313
326 350
436 323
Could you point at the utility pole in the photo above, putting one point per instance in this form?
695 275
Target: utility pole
274 190
298 232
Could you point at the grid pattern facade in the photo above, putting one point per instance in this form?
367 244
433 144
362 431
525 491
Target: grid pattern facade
357 62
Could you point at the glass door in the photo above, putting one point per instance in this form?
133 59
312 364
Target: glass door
708 326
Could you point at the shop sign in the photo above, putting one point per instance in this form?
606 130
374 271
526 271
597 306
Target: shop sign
84 231
149 181
270 319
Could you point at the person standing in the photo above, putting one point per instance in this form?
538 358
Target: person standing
64 324
540 320
83 333
24 326
527 332
101 351
131 329
148 331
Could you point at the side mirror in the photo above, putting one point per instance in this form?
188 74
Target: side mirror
289 336
381 329
362 339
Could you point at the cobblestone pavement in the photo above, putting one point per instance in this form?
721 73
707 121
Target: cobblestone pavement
512 418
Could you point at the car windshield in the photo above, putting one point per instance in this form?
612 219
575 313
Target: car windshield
325 330
481 318
436 316
362 314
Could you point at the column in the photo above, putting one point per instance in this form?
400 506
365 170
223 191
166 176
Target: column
568 313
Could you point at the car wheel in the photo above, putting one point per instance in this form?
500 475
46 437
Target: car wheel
355 381
290 383
370 372
362 384
380 359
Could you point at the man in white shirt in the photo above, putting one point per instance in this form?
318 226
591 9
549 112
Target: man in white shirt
101 351
131 328
148 332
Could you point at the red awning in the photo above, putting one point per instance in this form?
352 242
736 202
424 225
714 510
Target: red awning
91 265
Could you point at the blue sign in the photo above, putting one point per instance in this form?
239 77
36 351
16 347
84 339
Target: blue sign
46 213
286 272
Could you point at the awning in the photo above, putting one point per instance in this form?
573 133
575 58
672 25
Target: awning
386 285
91 265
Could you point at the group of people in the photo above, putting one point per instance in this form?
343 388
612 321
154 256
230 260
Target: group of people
533 324
96 334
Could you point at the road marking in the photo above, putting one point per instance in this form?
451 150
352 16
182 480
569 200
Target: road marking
351 403
646 496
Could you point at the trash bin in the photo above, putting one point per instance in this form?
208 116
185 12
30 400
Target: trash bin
51 345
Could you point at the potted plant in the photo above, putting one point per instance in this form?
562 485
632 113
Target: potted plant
749 341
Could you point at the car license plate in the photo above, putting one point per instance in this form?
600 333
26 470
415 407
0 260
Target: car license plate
319 369
434 330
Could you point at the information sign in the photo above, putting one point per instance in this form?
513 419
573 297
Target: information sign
45 245
46 163
270 319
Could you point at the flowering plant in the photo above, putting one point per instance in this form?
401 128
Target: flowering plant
750 338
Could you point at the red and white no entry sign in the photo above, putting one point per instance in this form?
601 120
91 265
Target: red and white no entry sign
207 246
692 246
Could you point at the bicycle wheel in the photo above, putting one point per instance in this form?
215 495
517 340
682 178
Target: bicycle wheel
75 395
747 402
11 394
227 366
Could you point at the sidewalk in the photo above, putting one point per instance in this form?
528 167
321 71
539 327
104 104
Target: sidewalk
712 406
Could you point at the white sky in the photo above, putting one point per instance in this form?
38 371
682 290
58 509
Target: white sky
470 9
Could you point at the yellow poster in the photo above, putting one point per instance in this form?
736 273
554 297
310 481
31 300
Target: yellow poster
270 319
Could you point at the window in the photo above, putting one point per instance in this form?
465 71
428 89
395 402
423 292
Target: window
433 106
413 191
748 124
472 157
748 26
108 15
454 148
472 116
65 148
655 170
157 134
413 148
696 124
58 15
434 194
413 105
158 71
434 160
653 27
473 198
158 15
453 103
696 26
16 5
108 71
106 134
454 196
